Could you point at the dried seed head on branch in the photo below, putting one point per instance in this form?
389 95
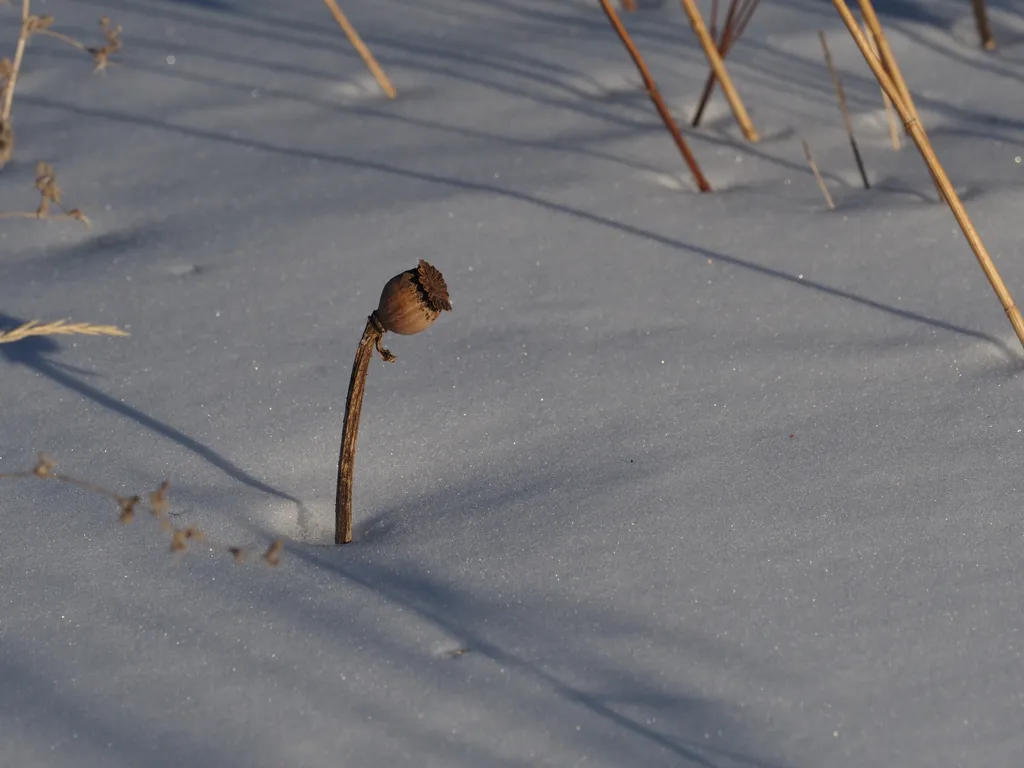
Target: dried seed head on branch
45 469
50 194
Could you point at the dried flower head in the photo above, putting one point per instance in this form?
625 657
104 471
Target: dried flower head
113 44
411 301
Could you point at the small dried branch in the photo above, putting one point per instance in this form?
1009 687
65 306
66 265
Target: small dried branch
58 328
156 502
10 69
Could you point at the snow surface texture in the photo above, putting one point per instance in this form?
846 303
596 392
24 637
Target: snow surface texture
718 480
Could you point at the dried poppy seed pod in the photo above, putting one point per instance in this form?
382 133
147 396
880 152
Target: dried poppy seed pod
411 301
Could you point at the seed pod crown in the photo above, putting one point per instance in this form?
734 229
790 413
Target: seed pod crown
411 301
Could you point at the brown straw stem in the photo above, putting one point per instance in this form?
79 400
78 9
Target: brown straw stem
841 97
628 5
353 409
938 172
718 67
817 175
988 42
361 49
652 91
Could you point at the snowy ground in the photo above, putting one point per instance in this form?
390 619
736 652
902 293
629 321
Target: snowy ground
715 480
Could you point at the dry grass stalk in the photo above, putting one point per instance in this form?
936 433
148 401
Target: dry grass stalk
655 95
409 304
361 49
628 5
718 68
49 194
920 138
45 469
841 97
988 42
817 175
890 113
58 328
736 19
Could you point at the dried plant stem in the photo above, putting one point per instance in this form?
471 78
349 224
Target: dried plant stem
736 20
628 5
817 175
988 42
19 55
718 67
916 132
361 49
655 95
371 339
58 327
841 97
63 38
890 114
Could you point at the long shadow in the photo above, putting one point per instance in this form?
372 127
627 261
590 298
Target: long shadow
32 353
461 184
408 594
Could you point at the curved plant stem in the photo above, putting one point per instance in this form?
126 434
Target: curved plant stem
371 339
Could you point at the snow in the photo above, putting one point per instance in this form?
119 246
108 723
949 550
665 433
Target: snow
716 480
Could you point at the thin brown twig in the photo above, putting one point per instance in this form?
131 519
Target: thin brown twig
841 97
364 52
817 175
924 146
718 67
655 96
